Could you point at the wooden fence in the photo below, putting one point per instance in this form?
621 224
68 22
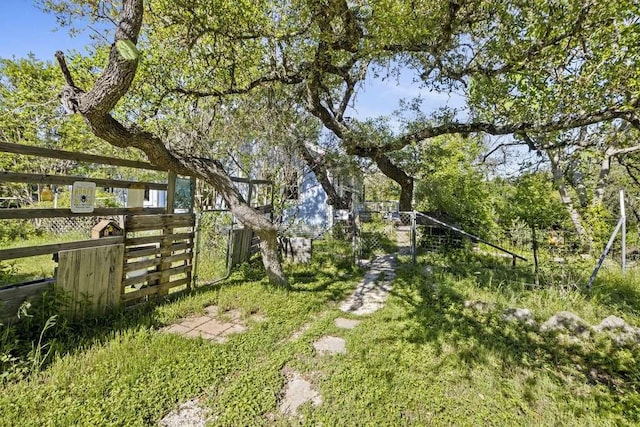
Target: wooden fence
159 260
102 269
155 254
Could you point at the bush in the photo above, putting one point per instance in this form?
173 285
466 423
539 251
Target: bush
15 229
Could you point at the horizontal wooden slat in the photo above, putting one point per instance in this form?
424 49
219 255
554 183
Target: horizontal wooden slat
60 213
156 275
32 178
142 223
137 252
78 157
135 241
139 265
57 247
140 251
150 290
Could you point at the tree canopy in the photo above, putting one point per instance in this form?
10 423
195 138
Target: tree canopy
526 68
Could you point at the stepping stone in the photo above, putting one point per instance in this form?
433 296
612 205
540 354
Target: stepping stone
194 321
176 329
214 327
371 293
343 323
234 315
297 334
298 391
330 345
190 413
235 329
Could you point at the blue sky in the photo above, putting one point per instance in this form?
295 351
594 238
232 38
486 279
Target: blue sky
25 28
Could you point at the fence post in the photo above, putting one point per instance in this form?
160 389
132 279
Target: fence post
413 238
623 219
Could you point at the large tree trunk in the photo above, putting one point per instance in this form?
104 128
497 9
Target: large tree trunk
400 176
319 168
95 106
584 236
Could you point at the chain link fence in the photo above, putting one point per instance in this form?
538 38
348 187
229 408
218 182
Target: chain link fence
75 225
214 232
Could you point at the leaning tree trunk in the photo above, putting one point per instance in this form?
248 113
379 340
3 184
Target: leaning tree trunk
400 176
319 168
96 104
584 236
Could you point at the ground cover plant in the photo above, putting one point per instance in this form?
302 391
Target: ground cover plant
426 357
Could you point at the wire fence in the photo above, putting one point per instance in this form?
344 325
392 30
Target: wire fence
213 246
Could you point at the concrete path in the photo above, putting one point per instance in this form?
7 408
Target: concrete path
372 292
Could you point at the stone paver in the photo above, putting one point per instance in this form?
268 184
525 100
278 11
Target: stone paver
330 345
195 321
343 323
189 414
297 392
209 326
215 327
235 329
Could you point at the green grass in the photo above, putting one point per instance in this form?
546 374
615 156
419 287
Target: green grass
423 359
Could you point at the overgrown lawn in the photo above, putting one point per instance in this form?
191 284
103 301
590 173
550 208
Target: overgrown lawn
423 359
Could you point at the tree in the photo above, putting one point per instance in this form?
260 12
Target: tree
533 67
534 203
96 104
454 185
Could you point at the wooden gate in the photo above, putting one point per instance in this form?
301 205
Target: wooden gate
158 255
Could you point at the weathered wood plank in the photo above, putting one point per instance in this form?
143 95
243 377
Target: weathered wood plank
31 178
12 297
152 222
141 251
151 290
57 247
92 275
78 157
136 241
59 213
156 275
139 265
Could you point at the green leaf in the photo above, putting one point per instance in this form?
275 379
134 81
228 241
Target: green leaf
127 50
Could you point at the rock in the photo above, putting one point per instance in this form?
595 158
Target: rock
565 321
621 332
297 392
480 306
343 323
611 323
189 414
521 315
330 345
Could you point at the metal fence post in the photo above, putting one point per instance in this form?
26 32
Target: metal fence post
413 238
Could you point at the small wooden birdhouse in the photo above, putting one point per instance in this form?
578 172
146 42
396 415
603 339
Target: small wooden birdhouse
106 228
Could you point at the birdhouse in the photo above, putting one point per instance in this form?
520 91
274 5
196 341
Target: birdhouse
106 228
46 195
